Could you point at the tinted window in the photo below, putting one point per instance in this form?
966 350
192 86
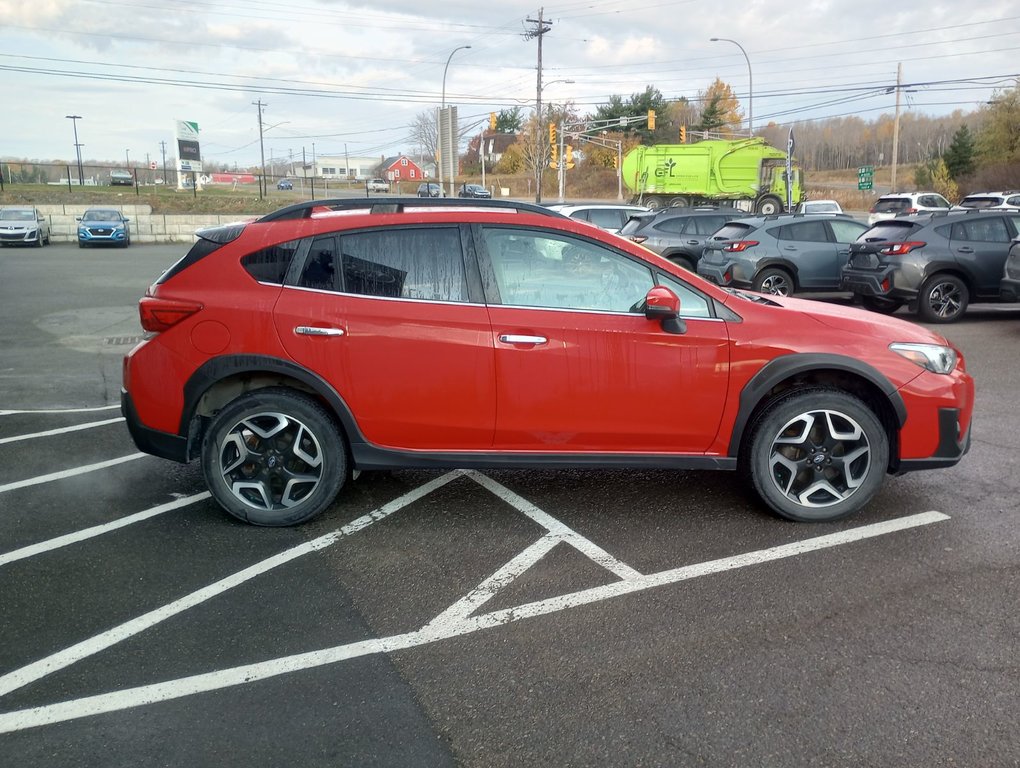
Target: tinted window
704 225
1015 200
732 231
804 232
846 231
422 263
989 230
979 202
891 206
320 267
674 225
605 219
535 269
888 231
581 215
270 264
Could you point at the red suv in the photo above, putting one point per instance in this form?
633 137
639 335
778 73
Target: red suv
351 334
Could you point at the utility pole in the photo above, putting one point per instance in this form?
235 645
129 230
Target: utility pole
162 148
262 150
313 170
541 27
77 148
896 125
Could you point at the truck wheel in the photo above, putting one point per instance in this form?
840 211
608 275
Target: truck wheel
775 281
653 203
769 206
679 202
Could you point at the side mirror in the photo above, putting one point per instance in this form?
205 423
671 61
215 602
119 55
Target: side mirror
664 305
661 304
77 218
126 219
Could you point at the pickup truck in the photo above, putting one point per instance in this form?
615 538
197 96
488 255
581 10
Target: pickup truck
378 185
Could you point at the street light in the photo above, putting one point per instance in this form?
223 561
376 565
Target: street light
127 158
77 147
750 83
450 154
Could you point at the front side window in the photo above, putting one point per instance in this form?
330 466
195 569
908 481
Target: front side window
535 269
692 304
413 263
990 230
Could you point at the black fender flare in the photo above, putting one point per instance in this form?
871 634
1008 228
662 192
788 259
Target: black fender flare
781 368
218 368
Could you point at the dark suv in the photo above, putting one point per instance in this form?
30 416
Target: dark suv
940 261
678 234
287 352
782 254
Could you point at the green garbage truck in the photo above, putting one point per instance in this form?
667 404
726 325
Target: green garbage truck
711 172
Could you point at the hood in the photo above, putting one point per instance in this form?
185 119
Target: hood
861 322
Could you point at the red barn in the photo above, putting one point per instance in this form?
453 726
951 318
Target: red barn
401 168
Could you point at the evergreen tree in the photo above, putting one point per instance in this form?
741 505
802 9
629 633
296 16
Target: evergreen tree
960 157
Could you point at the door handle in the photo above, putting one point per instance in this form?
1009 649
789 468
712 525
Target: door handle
311 330
965 249
514 338
692 242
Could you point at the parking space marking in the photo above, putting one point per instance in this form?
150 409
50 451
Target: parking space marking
98 530
40 479
75 653
11 412
60 431
431 633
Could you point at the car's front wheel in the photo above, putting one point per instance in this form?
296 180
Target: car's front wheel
274 457
817 455
943 299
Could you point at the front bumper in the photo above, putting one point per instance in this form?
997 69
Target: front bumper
20 236
954 442
101 235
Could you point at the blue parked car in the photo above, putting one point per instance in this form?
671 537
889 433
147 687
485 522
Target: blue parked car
285 184
103 225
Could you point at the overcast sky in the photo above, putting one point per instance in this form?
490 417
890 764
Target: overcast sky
354 75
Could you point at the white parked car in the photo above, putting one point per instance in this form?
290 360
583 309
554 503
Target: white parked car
819 206
892 205
999 201
378 185
25 225
605 216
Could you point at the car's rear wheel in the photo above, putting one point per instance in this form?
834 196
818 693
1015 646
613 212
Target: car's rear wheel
817 455
274 457
881 304
774 281
682 261
942 299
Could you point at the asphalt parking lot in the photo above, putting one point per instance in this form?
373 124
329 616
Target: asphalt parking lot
547 618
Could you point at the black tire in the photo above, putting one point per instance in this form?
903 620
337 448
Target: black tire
679 202
682 261
81 244
880 304
653 203
942 299
778 282
294 461
769 206
816 455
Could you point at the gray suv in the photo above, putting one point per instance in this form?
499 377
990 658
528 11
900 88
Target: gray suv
678 234
939 261
782 254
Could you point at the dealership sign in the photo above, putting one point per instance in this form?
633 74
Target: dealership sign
189 157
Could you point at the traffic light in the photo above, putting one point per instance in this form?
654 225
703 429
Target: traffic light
616 161
683 134
568 155
651 119
492 121
552 134
554 154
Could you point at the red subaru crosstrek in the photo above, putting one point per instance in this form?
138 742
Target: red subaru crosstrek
395 333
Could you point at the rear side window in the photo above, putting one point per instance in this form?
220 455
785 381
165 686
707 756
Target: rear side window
980 202
674 224
270 265
990 230
319 271
704 225
605 218
424 263
804 232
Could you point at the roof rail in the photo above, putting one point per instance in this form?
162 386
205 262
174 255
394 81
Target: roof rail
380 205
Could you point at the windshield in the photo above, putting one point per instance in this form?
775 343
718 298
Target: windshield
101 216
13 215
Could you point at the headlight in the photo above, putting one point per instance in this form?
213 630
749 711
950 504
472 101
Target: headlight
931 357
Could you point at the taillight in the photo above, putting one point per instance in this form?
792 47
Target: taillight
639 238
740 245
158 315
899 249
910 211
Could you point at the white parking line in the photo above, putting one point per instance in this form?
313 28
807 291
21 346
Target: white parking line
10 412
98 530
40 479
65 658
212 681
60 431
